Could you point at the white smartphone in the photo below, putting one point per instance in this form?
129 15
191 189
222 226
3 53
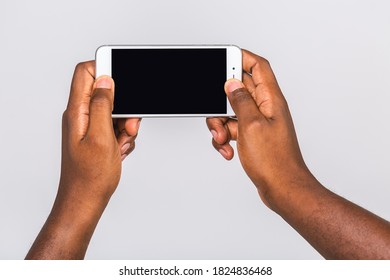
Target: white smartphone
170 80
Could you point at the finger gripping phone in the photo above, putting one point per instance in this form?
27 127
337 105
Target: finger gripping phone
170 81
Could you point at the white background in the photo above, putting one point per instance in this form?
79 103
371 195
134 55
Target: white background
178 199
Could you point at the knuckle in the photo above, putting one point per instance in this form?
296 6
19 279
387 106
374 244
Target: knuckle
215 145
132 147
213 123
101 99
256 60
85 65
81 66
133 137
240 95
262 64
263 61
66 116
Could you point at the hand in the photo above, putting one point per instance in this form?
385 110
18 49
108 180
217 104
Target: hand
266 141
268 149
92 150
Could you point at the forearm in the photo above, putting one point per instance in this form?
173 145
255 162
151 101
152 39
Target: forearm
67 231
334 226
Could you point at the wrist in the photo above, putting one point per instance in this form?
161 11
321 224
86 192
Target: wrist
278 191
69 227
77 212
67 231
78 208
84 194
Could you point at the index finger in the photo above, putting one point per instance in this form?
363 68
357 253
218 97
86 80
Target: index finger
262 84
82 84
258 67
223 129
77 111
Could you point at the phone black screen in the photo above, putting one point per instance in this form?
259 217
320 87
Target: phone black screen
169 81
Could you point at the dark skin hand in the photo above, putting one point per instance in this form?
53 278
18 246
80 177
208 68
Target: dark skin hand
92 153
93 149
269 153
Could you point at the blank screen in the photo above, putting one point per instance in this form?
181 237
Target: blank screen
169 81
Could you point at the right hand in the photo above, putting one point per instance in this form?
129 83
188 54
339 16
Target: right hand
266 141
93 149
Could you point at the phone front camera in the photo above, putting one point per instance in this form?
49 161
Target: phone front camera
234 68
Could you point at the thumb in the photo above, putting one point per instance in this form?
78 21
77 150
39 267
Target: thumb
242 101
101 106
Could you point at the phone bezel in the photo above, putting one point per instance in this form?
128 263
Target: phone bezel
233 63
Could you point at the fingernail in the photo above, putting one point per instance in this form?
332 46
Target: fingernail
223 153
233 84
124 148
214 133
104 82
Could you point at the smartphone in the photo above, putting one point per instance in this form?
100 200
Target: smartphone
170 80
